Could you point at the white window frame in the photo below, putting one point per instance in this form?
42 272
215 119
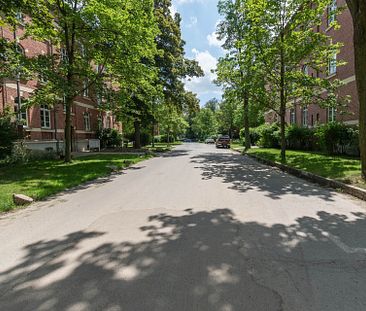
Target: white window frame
332 64
19 17
293 116
305 116
45 116
305 69
85 88
63 54
87 126
331 12
23 114
108 122
331 113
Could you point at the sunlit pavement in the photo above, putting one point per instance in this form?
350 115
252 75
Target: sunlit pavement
197 229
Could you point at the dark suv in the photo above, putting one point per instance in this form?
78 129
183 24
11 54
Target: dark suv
223 142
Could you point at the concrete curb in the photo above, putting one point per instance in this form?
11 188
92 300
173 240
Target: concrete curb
337 185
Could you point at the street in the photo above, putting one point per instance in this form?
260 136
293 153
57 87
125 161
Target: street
196 229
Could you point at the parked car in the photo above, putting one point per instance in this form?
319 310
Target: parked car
187 140
209 141
223 142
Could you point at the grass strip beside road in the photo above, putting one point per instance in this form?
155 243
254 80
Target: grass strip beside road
41 179
344 169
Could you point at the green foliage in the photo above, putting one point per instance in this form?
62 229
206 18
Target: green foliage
8 134
332 138
204 124
171 61
146 137
300 138
20 154
268 43
269 135
109 138
337 138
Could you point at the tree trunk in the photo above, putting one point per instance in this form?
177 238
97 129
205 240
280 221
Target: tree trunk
246 122
153 135
358 10
137 143
283 104
68 130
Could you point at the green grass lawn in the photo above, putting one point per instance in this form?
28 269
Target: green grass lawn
345 169
237 147
162 147
43 178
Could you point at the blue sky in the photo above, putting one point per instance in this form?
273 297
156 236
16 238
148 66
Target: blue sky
199 20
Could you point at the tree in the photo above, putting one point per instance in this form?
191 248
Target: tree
171 61
213 104
100 47
171 122
8 134
204 124
235 72
358 12
285 39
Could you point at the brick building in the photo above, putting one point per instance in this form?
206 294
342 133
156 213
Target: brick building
312 115
43 125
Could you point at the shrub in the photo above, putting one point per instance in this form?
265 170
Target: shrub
109 138
269 135
337 138
146 138
21 155
8 134
300 138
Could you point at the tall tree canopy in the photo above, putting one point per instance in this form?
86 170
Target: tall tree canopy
358 12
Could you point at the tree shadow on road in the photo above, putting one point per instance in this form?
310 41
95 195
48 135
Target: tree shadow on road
203 261
244 174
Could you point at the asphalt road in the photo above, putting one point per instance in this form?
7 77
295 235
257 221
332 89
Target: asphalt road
198 229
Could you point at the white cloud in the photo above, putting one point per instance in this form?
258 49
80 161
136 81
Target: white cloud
173 10
192 22
189 1
205 85
213 40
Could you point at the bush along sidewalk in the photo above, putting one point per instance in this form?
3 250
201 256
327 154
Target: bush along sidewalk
333 138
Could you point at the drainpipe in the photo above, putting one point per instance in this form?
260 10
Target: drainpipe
18 79
55 109
3 79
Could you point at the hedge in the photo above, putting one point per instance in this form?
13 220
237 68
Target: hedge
331 138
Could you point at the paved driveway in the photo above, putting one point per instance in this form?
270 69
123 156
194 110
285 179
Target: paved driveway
198 229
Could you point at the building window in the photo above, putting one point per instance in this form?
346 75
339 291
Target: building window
108 122
87 121
331 114
332 64
20 17
332 12
63 54
82 50
23 115
85 88
45 116
305 69
305 116
293 116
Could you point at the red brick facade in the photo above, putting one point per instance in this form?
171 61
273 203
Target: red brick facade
346 73
53 118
